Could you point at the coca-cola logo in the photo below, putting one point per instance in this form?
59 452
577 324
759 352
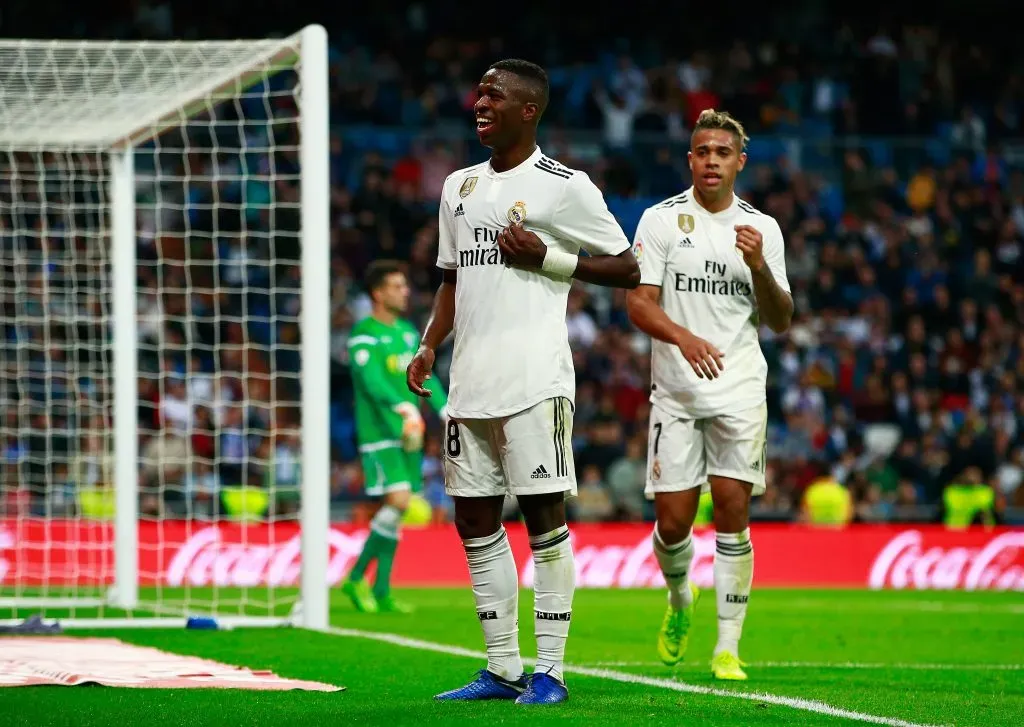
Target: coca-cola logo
904 562
207 560
631 566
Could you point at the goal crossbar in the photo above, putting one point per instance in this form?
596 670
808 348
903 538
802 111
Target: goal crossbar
118 110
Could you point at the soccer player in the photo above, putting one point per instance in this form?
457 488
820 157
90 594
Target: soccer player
511 230
389 428
712 269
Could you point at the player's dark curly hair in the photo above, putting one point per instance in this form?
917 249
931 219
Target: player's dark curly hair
378 271
535 76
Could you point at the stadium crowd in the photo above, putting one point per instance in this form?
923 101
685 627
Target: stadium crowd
889 153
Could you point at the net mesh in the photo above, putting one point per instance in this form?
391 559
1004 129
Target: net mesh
216 154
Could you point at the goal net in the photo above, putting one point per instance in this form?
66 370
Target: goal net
164 308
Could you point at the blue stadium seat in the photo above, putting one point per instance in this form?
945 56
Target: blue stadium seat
765 151
360 137
831 199
628 210
939 152
813 128
390 143
343 431
879 151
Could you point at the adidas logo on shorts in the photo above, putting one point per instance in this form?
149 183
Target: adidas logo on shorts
540 473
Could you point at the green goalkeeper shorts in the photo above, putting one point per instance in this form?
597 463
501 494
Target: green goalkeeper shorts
390 469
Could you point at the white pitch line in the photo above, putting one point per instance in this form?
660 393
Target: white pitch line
927 606
806 705
869 665
838 665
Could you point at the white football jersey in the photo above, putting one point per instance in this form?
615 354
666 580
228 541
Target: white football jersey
706 287
511 343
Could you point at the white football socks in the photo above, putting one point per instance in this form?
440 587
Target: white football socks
675 562
492 570
734 572
553 588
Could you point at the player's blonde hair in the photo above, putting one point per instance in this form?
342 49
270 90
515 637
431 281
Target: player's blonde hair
711 119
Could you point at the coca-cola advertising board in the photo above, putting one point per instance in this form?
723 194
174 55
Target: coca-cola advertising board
34 552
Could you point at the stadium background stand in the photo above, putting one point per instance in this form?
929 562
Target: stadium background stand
891 152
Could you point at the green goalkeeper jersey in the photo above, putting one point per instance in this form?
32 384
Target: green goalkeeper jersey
378 355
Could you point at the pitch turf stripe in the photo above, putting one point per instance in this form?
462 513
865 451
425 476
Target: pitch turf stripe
851 665
806 705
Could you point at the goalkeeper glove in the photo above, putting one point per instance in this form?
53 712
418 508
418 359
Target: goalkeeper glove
412 426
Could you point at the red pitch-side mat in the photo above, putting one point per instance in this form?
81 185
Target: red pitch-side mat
33 661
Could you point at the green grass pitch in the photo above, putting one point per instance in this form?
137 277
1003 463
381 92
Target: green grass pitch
935 658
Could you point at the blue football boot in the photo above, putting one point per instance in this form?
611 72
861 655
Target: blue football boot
486 686
543 689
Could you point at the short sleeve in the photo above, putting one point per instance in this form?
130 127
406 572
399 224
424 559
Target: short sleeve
447 247
583 218
774 253
650 249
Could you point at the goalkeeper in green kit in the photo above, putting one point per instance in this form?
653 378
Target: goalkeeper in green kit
389 428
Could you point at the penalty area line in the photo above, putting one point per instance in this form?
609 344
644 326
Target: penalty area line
806 705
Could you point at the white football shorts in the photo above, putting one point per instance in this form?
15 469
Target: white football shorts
682 453
526 453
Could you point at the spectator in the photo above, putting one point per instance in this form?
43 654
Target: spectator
626 479
593 503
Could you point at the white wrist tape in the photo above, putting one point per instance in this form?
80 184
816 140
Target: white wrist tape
560 263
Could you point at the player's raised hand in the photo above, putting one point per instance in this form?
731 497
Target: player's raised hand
521 248
419 371
705 358
750 242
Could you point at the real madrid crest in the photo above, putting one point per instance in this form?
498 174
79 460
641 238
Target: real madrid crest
517 213
686 223
468 185
656 470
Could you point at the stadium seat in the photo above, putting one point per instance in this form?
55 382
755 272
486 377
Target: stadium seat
832 202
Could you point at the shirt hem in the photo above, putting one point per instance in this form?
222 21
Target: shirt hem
671 406
456 413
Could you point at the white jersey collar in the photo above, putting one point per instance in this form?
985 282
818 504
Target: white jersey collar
727 212
518 169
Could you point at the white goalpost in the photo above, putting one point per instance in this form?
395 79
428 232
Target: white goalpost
164 331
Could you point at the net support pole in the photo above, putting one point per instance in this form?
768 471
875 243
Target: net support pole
125 374
315 324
